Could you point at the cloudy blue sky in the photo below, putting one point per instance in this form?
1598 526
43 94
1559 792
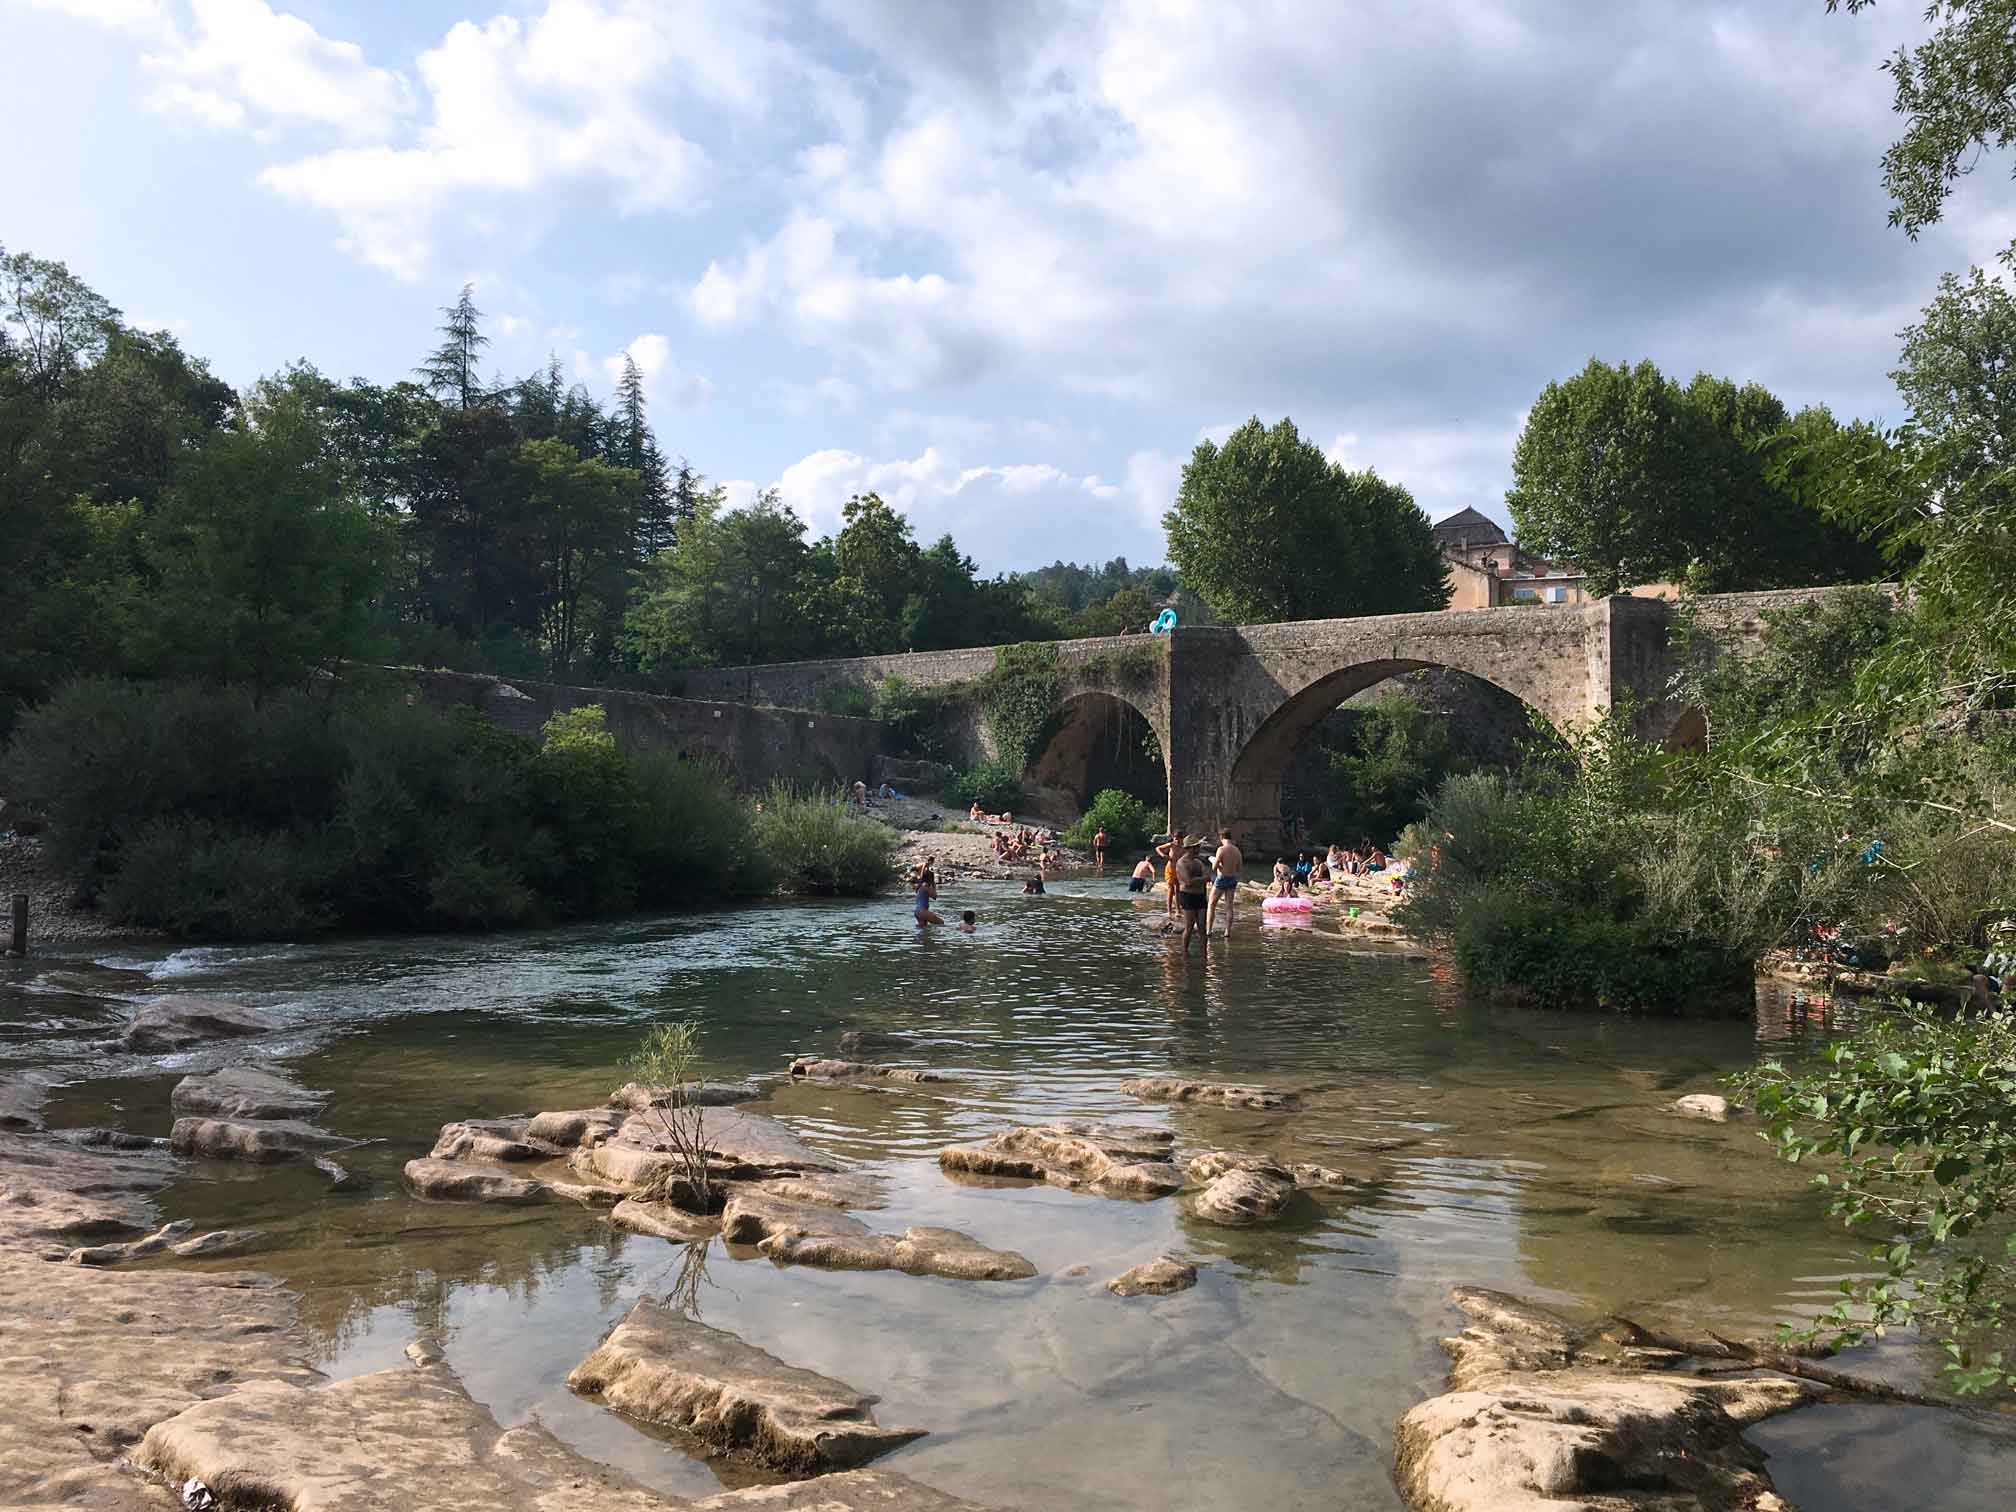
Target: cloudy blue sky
1003 262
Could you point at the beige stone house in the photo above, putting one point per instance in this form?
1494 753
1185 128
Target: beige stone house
1487 568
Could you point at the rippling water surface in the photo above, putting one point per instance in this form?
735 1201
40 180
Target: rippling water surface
1509 1149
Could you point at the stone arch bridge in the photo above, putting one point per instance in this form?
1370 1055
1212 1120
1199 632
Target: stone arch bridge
1229 705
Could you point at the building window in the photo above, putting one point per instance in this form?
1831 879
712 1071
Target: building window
1557 595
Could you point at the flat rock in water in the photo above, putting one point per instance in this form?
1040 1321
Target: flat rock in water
1706 1105
633 1098
662 1220
1217 1094
1157 1278
406 1438
175 1023
1108 1159
740 1147
841 1189
799 1233
21 1099
815 1068
132 1249
848 1491
458 1181
55 1195
241 1092
1531 1423
1240 1190
263 1140
487 1139
667 1369
572 1129
89 1359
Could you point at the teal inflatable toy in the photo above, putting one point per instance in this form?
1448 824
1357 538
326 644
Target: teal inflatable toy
1164 623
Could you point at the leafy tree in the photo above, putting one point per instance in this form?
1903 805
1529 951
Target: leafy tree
634 447
1957 91
1609 472
450 371
727 592
1387 771
265 563
59 323
582 509
1126 613
1267 528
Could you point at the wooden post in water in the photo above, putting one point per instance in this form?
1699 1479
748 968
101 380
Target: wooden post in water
20 934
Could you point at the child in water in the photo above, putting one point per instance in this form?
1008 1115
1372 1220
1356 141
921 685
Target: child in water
966 924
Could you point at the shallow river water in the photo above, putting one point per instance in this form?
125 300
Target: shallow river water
1525 1151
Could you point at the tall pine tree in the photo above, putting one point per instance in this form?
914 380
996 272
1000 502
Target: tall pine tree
633 446
450 371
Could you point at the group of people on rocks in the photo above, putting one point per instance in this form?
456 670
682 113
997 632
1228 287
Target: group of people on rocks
1013 849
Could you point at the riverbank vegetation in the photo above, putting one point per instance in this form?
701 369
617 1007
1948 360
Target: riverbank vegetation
212 813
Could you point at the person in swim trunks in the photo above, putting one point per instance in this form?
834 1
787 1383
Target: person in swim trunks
1168 851
1144 875
1225 866
1193 885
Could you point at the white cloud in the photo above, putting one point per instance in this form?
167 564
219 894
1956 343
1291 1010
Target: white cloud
826 394
243 57
666 384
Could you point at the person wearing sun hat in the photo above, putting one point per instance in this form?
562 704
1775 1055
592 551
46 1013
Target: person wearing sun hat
1193 887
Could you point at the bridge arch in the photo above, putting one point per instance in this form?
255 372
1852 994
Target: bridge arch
1097 741
1253 787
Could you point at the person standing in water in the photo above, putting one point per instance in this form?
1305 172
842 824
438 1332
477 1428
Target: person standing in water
1099 847
1168 851
1225 865
1193 885
926 884
1144 875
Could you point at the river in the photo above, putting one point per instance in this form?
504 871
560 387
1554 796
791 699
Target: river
1526 1151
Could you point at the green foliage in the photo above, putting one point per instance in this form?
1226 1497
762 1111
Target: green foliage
1395 757
814 843
1953 90
845 698
1128 822
1910 1120
1637 480
667 1065
1018 700
1639 875
917 717
212 813
995 785
1267 528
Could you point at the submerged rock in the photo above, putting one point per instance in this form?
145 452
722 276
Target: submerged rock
1706 1105
170 1238
1108 1159
1240 1191
814 1068
457 1181
55 1193
738 1399
859 1042
1531 1421
263 1140
21 1099
175 1023
1157 1278
847 1491
1217 1094
835 1189
799 1233
241 1092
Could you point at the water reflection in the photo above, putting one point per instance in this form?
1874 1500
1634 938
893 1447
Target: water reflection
1521 1150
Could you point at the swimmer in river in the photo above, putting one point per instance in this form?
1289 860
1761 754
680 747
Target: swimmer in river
926 884
967 924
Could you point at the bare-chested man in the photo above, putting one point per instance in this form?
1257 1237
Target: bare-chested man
1225 864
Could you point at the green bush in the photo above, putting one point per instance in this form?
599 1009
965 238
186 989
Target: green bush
1128 822
813 843
205 881
915 716
995 785
845 698
241 817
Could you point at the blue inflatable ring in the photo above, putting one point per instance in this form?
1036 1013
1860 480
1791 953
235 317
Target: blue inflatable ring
1164 623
